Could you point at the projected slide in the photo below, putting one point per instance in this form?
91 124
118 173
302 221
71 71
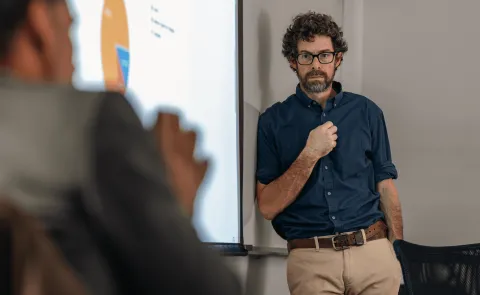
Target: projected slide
172 55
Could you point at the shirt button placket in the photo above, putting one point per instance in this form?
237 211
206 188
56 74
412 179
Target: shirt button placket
328 190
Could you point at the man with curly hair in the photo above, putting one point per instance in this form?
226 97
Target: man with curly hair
325 173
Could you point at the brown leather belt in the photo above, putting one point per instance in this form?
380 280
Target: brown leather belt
376 231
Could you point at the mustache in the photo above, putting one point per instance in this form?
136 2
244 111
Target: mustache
316 73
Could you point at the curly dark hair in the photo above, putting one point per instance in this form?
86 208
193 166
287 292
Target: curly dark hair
307 25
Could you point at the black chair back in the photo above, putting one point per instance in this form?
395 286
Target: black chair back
5 260
453 270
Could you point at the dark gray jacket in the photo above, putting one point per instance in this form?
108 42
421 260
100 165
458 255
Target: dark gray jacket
83 163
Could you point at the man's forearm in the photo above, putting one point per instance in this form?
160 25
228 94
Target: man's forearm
280 193
390 205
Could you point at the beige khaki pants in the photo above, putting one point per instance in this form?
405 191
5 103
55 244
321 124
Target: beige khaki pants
371 269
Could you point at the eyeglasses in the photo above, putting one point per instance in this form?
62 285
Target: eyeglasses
307 58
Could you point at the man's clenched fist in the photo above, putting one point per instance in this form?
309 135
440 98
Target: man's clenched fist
322 139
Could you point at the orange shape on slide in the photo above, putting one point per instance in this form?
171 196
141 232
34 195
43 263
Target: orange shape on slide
115 45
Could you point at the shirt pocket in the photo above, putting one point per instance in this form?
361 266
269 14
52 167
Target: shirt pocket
351 156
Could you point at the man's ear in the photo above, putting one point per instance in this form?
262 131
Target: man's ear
39 24
338 60
293 65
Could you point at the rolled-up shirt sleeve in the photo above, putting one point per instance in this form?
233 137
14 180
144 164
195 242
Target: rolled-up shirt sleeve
381 154
268 165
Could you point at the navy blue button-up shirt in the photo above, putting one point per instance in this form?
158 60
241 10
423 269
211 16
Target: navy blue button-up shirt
340 195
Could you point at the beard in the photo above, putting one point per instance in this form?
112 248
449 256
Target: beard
316 86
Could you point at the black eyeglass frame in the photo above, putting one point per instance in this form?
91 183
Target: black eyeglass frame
333 53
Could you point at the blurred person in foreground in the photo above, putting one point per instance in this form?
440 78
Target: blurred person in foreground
325 173
82 163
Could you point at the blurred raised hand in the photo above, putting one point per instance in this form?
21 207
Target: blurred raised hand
177 146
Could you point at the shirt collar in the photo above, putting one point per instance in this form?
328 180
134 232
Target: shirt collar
305 100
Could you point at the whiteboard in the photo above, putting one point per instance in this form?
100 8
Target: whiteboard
159 54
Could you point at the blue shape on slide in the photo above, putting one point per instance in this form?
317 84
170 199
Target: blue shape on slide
123 55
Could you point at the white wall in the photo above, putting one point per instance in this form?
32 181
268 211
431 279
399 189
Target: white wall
421 65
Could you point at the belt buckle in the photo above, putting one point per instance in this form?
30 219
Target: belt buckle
342 239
